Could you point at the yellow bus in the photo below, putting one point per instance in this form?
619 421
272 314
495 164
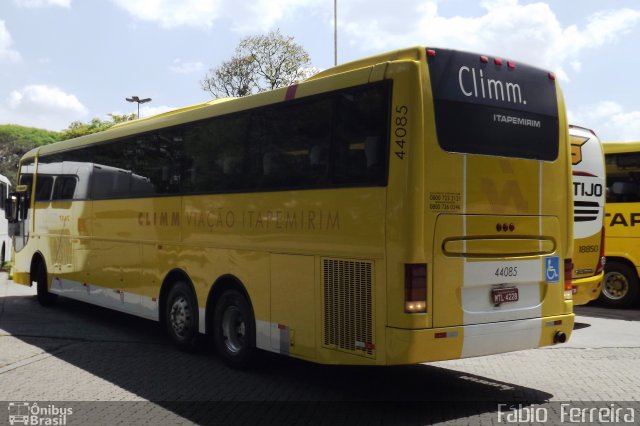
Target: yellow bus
622 219
408 207
588 198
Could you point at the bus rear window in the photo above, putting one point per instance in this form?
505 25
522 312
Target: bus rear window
493 107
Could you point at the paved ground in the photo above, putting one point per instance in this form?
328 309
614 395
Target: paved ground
110 368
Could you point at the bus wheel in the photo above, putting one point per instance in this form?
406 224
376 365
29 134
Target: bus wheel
619 286
234 330
39 275
181 317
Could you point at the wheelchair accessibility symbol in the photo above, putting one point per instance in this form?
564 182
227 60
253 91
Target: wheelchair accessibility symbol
552 269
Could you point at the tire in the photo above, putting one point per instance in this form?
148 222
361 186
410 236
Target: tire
39 275
181 317
619 286
234 330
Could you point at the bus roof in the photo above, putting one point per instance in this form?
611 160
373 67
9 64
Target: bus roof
620 147
173 112
413 54
170 118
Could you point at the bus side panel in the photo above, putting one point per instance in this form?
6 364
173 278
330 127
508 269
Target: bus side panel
405 227
293 302
622 221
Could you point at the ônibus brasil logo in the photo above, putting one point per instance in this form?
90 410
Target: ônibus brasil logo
26 413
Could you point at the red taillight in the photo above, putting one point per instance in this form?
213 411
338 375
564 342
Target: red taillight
568 273
552 76
601 259
431 52
497 61
511 65
484 59
415 288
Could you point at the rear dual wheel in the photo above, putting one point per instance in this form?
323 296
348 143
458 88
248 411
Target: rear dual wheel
233 325
234 330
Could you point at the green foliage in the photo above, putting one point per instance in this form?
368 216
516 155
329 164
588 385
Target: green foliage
15 141
11 133
260 63
78 128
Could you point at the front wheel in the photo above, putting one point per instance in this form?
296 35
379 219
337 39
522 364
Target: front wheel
234 330
181 317
619 286
39 275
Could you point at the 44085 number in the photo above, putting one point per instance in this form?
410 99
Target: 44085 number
400 132
507 271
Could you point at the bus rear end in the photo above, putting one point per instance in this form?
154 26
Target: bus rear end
494 257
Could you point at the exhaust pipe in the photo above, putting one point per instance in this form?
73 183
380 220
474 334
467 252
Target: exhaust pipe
559 337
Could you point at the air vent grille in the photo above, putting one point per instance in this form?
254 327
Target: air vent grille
348 306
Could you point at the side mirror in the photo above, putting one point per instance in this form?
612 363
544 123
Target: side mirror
11 208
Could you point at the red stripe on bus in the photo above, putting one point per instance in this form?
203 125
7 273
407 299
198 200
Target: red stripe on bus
291 92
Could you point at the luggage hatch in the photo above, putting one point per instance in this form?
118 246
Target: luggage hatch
499 271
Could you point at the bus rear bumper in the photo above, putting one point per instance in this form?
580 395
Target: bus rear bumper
587 289
437 344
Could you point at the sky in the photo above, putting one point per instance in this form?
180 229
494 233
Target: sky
74 60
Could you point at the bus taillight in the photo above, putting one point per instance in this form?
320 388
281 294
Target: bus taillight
415 288
601 258
568 283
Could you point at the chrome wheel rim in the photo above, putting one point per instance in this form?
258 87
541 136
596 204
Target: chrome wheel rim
180 317
233 329
616 285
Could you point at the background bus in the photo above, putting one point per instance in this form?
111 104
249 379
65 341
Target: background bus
348 219
588 198
5 240
622 217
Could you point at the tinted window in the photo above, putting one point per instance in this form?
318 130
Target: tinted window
295 152
623 177
43 188
329 140
216 153
359 151
485 108
64 188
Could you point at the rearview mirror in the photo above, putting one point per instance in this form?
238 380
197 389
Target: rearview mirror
11 208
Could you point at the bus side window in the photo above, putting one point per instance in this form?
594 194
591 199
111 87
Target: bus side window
624 191
64 188
44 185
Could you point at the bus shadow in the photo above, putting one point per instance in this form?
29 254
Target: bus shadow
133 355
593 309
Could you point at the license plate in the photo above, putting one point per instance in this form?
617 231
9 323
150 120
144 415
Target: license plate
504 295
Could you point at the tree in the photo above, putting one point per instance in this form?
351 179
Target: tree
260 63
78 128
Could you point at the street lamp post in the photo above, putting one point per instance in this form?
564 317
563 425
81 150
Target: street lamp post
138 101
335 32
